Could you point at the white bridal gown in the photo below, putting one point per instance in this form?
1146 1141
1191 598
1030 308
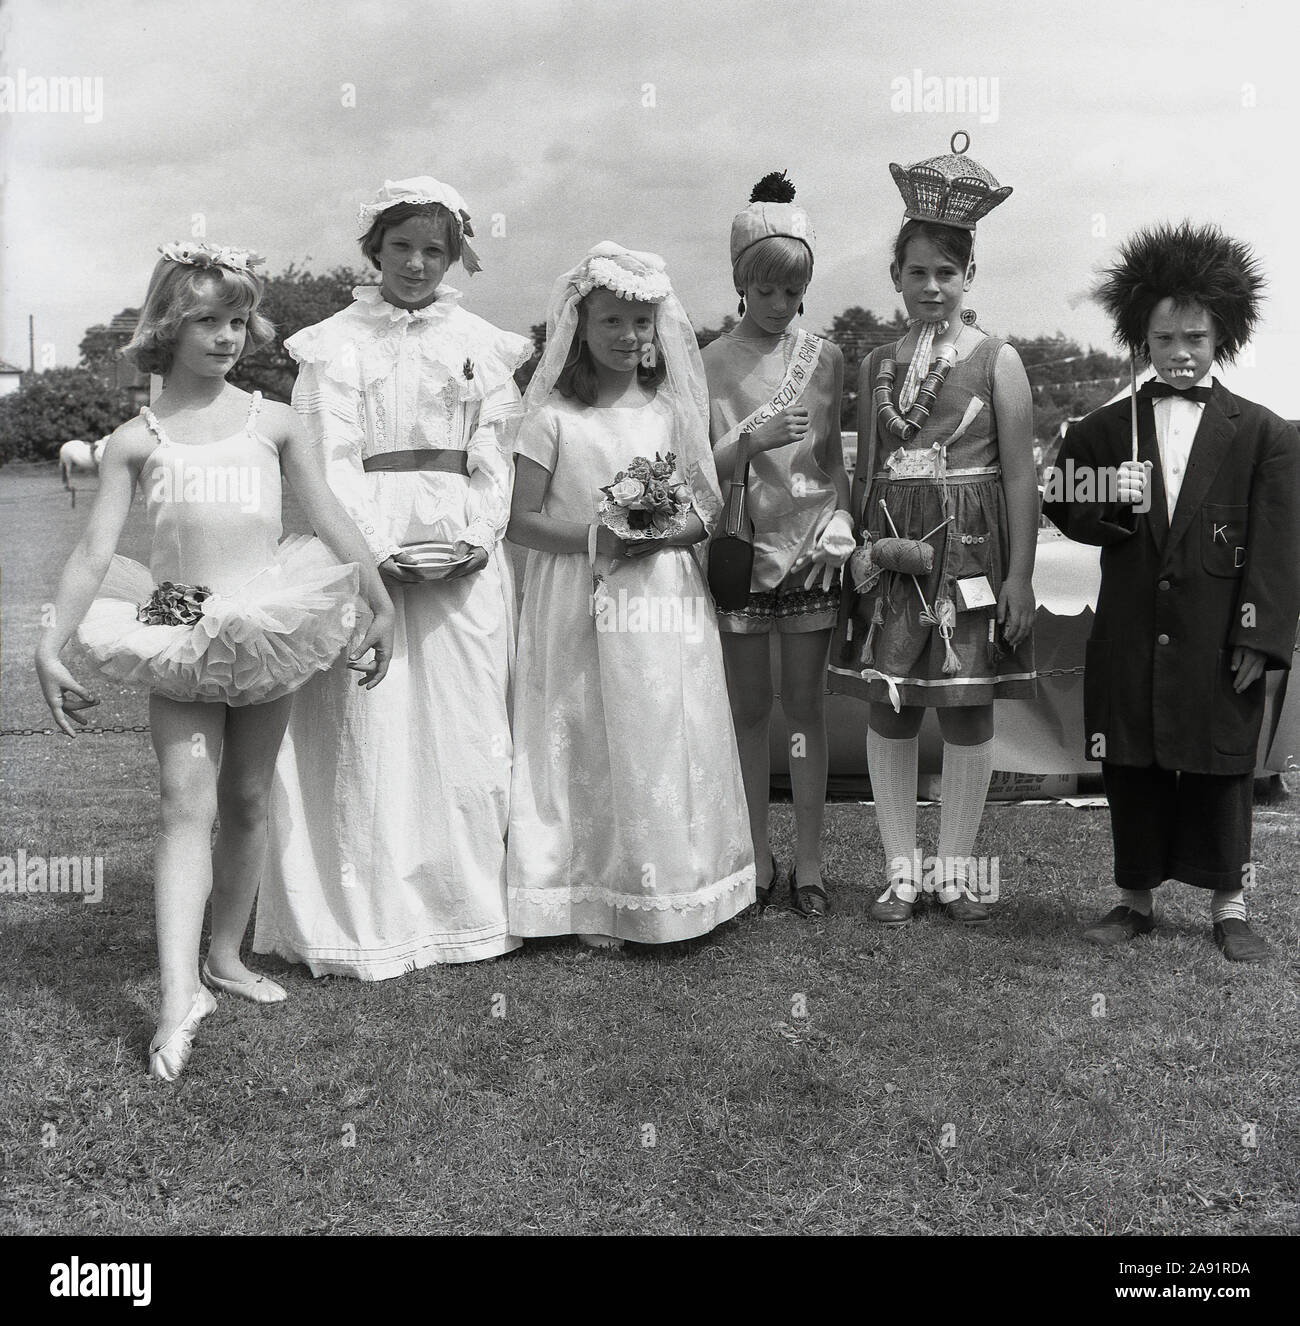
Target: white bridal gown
628 812
390 807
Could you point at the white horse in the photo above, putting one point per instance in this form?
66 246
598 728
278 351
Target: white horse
80 458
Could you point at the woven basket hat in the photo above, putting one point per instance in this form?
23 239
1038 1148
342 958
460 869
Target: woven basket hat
951 190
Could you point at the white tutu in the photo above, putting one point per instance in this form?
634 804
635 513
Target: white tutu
254 644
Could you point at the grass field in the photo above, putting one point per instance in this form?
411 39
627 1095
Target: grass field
773 1076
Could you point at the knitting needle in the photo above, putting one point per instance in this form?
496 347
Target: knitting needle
916 584
935 530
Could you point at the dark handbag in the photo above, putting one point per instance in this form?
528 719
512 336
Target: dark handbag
731 553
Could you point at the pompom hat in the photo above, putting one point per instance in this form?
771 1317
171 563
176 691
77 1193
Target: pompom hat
772 213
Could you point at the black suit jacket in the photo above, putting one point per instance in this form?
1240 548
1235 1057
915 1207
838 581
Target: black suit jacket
1177 596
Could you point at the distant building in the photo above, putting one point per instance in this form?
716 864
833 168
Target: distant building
128 377
11 378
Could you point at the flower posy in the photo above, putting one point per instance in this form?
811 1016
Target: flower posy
644 499
211 255
174 605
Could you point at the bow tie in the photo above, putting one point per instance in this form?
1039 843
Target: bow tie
1156 389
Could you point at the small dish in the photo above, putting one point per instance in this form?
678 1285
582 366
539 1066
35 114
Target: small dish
432 560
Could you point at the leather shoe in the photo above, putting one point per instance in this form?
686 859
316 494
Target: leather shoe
763 896
261 991
1238 942
966 910
890 909
807 899
1118 926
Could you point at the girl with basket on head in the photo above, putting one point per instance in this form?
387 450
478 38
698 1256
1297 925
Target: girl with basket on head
775 422
946 498
224 625
627 816
389 819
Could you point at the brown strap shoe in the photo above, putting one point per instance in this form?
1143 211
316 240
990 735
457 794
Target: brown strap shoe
890 909
966 910
1238 942
1118 926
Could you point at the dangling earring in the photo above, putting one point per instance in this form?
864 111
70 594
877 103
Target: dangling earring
801 310
740 308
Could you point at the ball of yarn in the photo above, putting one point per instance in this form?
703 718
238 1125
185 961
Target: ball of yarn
910 556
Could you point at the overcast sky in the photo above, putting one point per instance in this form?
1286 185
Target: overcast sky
644 122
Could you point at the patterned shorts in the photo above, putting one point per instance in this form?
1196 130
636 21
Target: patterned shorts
789 609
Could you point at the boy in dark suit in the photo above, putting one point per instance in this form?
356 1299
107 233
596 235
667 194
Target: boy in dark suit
1199 526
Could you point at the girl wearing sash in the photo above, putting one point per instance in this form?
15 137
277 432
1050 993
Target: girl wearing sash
627 817
775 423
946 499
388 819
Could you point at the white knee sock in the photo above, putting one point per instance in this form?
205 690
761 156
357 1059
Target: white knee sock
966 774
1140 900
1228 904
892 765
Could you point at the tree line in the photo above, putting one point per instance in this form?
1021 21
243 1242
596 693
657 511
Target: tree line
86 401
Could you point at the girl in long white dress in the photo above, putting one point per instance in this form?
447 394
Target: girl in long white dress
628 817
388 819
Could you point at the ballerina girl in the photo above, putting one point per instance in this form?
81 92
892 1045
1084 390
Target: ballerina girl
224 625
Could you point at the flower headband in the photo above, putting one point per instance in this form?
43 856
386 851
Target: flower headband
211 255
628 274
423 189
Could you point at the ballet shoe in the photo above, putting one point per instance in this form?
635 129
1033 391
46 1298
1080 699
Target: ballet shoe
167 1061
261 991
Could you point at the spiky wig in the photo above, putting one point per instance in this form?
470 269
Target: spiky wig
1190 265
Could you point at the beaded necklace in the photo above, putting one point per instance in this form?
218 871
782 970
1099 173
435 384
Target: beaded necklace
906 427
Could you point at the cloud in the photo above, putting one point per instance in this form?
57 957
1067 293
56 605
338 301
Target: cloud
572 123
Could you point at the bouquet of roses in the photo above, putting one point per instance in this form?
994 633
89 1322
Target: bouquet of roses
174 605
648 500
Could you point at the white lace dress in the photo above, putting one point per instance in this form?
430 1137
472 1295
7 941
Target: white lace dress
389 808
627 808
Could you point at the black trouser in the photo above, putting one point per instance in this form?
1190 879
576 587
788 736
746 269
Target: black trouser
1184 826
